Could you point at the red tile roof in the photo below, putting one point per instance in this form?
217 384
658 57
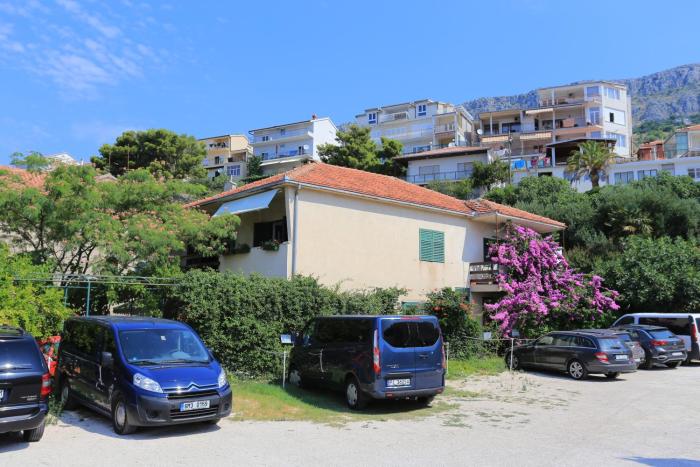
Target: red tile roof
21 177
379 186
691 128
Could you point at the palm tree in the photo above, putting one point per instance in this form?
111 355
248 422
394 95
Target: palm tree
591 158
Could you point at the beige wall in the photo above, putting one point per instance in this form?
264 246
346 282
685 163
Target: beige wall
360 244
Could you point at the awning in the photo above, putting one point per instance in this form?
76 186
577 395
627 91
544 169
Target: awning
247 204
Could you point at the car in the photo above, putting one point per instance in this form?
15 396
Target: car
579 353
660 345
371 357
626 338
140 372
25 385
683 325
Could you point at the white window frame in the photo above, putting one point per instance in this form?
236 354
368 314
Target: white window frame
612 93
422 110
372 118
233 170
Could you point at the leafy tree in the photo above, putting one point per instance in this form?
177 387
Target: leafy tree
462 189
254 169
32 161
163 153
388 153
32 306
487 175
591 158
454 314
355 149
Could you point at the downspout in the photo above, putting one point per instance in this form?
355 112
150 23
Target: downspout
295 229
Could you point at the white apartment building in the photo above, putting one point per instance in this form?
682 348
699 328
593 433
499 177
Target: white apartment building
444 164
420 125
226 156
539 140
283 147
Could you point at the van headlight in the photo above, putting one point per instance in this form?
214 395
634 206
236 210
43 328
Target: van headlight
222 381
146 383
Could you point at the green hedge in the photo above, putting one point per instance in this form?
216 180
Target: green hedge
241 317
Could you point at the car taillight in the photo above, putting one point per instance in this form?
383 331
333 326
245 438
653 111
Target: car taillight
658 342
694 332
375 354
444 357
602 356
45 385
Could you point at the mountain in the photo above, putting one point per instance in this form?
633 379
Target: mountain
658 96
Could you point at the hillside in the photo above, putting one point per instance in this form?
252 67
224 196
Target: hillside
658 96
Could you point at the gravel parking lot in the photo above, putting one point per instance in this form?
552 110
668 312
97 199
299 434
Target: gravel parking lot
645 418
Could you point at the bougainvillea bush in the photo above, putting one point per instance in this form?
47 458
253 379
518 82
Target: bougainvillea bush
542 292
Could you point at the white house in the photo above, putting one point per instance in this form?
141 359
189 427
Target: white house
445 164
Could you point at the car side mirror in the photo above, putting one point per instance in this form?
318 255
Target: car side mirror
107 359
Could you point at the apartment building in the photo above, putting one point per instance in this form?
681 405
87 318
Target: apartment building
679 155
539 140
445 164
226 156
421 125
284 147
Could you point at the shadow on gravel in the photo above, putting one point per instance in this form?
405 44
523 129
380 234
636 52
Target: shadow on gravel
94 423
664 462
589 379
12 442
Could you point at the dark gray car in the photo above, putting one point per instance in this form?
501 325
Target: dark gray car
579 353
660 345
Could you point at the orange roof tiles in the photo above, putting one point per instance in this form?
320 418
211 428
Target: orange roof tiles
379 186
21 177
691 128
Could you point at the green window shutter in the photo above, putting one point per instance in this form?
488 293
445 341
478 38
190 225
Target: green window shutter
432 246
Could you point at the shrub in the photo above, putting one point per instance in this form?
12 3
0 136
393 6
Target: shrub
458 327
241 317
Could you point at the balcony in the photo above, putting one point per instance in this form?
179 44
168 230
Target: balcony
393 117
483 276
447 128
405 135
287 134
283 154
438 177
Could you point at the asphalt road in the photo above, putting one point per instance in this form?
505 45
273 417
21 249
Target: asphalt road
646 418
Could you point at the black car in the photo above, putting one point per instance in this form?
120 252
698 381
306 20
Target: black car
660 345
25 384
579 353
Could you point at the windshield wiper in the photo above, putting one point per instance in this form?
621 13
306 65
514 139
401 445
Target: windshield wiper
184 360
144 362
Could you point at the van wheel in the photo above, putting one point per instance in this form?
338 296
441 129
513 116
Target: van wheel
67 400
673 364
295 378
577 370
426 401
120 417
612 375
355 398
34 435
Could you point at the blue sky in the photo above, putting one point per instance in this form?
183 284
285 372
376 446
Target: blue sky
76 73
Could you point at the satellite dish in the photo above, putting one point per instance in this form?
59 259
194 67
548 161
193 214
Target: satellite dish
479 131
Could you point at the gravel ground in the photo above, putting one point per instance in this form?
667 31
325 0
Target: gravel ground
645 418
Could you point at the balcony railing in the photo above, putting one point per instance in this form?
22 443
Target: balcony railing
447 128
393 117
483 273
423 133
282 154
281 135
439 177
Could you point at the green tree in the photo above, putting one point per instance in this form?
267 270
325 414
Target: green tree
487 175
163 153
591 159
355 149
462 189
254 170
390 150
32 161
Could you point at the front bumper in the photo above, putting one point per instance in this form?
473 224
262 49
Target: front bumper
628 367
159 411
22 417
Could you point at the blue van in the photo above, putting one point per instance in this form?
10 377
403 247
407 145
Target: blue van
140 372
371 357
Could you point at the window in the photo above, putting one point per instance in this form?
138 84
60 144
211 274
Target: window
372 118
620 139
233 170
329 331
300 150
563 341
596 134
431 246
217 160
283 131
678 326
511 127
82 339
625 320
429 170
694 173
594 115
612 93
422 110
162 345
465 167
583 342
622 178
487 245
670 168
615 116
642 174
403 334
545 340
611 343
265 138
266 231
592 91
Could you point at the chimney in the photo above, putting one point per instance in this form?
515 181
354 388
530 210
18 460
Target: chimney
313 117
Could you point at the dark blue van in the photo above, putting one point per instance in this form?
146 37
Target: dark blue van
371 357
140 372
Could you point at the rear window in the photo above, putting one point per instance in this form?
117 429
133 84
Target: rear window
675 325
405 334
19 353
624 337
661 334
610 343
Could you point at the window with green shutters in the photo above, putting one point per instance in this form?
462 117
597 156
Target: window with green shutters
432 246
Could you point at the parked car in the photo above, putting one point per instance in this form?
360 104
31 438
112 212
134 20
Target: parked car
25 384
579 353
378 357
683 325
140 372
660 345
626 337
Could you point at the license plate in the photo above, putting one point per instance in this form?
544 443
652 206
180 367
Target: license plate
621 357
185 406
677 354
393 383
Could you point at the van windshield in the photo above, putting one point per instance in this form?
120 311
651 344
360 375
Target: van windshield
410 333
162 346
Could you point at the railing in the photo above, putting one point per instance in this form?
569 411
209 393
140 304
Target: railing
562 101
424 133
281 135
483 273
282 154
447 128
439 177
393 117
